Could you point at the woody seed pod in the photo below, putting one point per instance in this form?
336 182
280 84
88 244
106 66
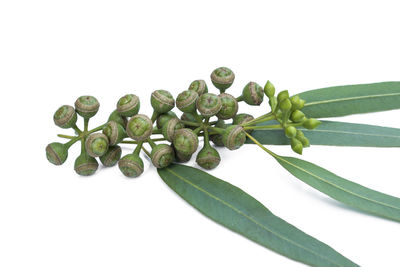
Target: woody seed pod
115 132
233 137
186 101
128 105
185 141
199 86
169 128
222 78
111 157
163 118
242 118
208 104
162 101
115 116
162 155
229 106
189 117
208 158
253 94
96 144
56 153
87 106
139 127
131 165
182 158
65 117
85 165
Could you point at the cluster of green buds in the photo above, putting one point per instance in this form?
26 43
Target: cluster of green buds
214 117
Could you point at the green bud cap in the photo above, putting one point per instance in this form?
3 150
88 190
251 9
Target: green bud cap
189 117
163 118
96 144
56 153
296 102
185 141
208 158
169 128
269 89
290 131
296 145
85 165
222 78
182 158
234 137
253 94
283 95
115 132
285 104
217 138
199 86
162 155
131 165
128 105
111 157
65 117
87 106
301 103
162 101
186 101
115 116
297 116
229 106
208 104
311 123
139 127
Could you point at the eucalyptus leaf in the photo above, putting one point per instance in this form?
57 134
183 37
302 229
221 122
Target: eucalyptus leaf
240 212
334 133
351 99
343 190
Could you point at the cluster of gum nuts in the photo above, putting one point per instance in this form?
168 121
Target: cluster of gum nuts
198 107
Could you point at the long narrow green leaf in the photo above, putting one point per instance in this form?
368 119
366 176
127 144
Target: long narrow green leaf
343 190
332 133
240 212
351 99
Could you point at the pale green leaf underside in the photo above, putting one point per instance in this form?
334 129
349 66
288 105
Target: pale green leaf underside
332 133
343 190
238 211
351 99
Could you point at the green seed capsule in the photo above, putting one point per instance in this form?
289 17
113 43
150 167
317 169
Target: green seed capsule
162 155
283 95
186 101
242 118
290 131
296 145
185 141
304 140
115 132
311 123
217 138
208 158
115 116
199 86
229 106
128 105
234 137
163 118
170 127
96 144
253 94
269 89
189 117
182 158
285 104
111 157
297 116
56 153
65 117
296 104
162 101
87 106
139 127
222 78
85 165
208 104
131 165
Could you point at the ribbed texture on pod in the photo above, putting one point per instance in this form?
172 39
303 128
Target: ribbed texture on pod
96 144
186 101
208 158
87 106
65 117
222 78
185 141
128 105
229 106
234 137
162 155
118 118
162 101
163 118
131 165
85 165
208 104
56 153
139 127
111 157
170 127
199 86
253 94
115 132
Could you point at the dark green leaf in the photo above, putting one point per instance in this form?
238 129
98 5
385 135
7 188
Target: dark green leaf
333 133
238 211
341 189
351 99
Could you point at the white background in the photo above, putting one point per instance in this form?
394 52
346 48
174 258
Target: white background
51 52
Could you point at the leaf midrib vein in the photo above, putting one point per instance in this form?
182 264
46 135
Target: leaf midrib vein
348 98
248 217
